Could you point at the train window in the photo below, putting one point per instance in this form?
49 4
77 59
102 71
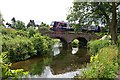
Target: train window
63 24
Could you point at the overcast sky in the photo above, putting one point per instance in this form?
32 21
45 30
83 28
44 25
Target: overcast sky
38 10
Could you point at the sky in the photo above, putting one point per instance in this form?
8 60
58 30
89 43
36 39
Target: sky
38 10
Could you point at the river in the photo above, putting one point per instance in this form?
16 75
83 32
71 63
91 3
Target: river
65 63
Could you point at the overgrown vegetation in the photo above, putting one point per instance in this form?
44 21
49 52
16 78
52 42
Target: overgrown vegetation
103 65
18 48
104 61
17 45
6 72
42 44
95 46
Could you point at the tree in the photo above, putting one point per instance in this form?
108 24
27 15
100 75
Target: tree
16 24
13 19
31 23
13 25
43 24
20 25
86 13
1 20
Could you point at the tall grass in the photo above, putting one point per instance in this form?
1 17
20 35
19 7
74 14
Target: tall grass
96 45
103 64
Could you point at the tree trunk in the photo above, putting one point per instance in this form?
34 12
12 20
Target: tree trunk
113 26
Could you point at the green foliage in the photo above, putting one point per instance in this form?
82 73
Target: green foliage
43 25
6 72
75 43
31 31
43 29
96 45
119 49
20 45
19 25
18 48
13 33
31 23
13 74
4 57
119 41
56 40
37 69
1 20
85 13
42 44
21 33
19 73
101 34
103 64
7 31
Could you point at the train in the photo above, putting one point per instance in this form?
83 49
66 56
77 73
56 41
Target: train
60 26
64 26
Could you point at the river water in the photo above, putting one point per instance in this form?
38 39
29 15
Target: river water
65 63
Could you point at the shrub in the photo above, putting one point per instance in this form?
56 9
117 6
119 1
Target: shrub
17 45
21 33
75 43
8 31
42 44
119 49
103 64
6 72
43 29
95 46
18 48
13 74
31 31
13 33
56 40
4 57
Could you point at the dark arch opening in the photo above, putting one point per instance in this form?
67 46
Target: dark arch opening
62 40
82 42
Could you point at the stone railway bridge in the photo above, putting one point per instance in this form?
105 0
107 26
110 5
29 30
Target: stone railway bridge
68 37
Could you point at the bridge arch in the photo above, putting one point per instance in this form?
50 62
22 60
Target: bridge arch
82 41
64 42
61 39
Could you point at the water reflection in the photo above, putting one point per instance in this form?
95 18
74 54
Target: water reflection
56 49
74 50
65 63
48 74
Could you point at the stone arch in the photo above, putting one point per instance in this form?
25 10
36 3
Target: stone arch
61 39
82 41
64 42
